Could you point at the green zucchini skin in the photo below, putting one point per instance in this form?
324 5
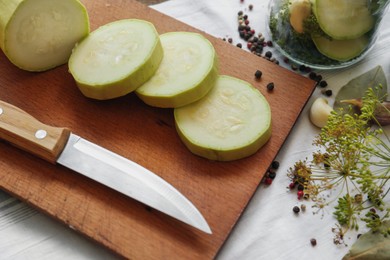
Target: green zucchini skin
232 122
187 73
98 83
344 19
38 35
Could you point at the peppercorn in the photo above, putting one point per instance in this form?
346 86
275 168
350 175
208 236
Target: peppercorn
268 181
303 207
294 67
250 7
268 54
272 175
239 45
327 92
291 185
258 74
270 86
312 75
261 38
270 44
275 165
313 242
241 27
323 84
302 68
300 194
296 209
230 40
318 78
240 13
259 49
301 187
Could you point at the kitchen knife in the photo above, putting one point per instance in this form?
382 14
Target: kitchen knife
59 145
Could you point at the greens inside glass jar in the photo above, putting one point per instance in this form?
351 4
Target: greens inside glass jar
325 33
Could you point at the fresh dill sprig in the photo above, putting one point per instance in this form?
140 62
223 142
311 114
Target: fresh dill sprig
353 158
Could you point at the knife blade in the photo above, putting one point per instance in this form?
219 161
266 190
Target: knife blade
59 145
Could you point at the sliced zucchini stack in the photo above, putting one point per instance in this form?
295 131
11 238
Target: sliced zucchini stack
37 35
346 24
344 19
116 58
231 122
187 72
341 50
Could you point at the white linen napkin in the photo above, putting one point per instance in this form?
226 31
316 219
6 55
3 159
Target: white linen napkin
268 229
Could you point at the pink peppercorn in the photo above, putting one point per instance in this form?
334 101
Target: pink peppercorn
300 194
268 181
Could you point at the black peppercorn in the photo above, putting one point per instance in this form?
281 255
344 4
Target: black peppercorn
239 45
302 68
312 75
328 92
296 209
275 165
270 86
313 242
272 175
318 78
268 54
323 84
258 74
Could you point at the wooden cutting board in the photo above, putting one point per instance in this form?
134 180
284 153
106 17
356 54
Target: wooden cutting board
220 190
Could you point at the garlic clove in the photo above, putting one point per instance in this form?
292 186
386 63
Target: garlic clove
319 112
299 11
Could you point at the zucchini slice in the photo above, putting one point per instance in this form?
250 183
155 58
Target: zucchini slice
343 19
231 122
116 58
341 50
38 35
188 71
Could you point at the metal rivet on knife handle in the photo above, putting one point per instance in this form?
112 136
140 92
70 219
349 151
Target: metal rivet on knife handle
24 131
40 134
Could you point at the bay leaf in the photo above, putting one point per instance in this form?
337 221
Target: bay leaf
371 245
357 87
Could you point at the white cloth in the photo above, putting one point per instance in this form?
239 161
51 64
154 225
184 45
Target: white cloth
268 228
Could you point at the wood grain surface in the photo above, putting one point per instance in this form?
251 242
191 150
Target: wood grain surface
146 135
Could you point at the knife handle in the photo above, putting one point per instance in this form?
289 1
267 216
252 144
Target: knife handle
24 131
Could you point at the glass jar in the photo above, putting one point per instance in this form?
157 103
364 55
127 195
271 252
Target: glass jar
325 34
